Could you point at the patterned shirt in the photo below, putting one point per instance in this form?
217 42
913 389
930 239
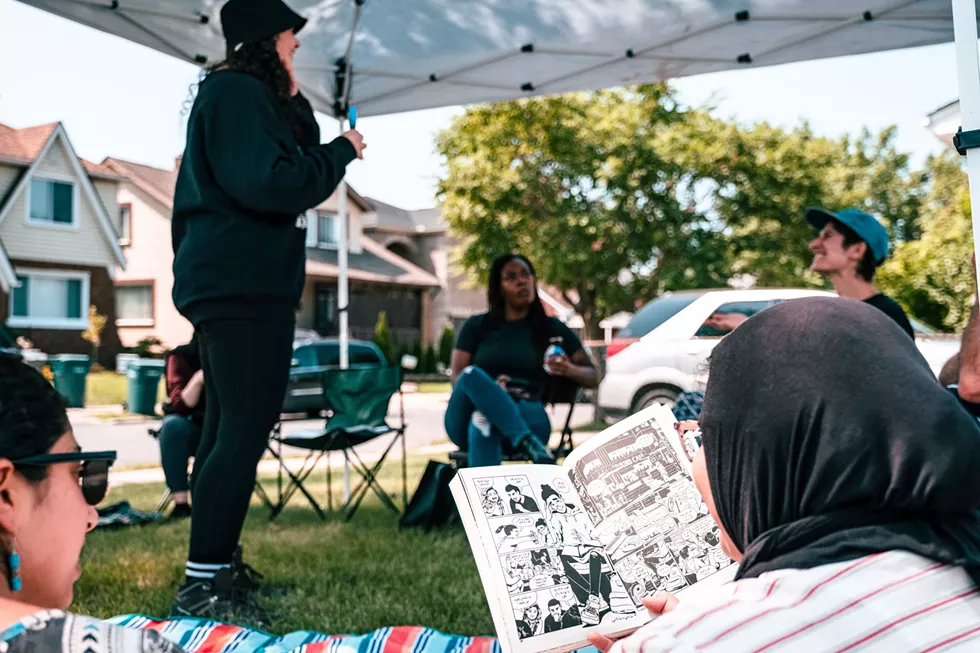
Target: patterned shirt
58 632
894 602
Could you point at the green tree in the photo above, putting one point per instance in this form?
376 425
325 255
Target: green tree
583 185
932 276
759 179
430 360
382 338
446 344
93 334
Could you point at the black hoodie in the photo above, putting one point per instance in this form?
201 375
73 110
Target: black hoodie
239 234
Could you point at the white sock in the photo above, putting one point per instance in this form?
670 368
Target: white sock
202 571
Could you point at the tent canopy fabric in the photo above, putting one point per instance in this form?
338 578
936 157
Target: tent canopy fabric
419 54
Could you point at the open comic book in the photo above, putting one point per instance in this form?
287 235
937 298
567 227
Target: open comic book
563 549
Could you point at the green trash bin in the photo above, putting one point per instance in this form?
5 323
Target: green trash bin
70 372
144 382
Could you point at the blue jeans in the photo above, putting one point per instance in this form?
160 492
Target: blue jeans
482 418
179 437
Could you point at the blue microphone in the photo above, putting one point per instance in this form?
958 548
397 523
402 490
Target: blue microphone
352 117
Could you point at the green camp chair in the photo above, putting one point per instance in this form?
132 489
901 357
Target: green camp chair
357 401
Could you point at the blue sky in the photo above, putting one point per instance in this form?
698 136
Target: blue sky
120 99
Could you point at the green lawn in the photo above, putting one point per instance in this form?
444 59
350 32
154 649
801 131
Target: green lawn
344 578
435 388
110 389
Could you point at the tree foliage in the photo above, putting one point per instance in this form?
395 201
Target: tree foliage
617 196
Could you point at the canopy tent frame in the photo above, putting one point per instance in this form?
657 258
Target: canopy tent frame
967 141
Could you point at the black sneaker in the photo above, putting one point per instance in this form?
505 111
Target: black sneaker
248 579
535 451
180 511
217 599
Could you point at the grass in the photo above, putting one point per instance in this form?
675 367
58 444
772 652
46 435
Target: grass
110 389
343 577
435 388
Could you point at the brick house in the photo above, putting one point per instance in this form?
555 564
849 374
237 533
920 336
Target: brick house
59 250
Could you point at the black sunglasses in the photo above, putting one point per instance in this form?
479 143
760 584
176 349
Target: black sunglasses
94 476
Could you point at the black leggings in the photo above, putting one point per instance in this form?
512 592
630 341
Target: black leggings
246 369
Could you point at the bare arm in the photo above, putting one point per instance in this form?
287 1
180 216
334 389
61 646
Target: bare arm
459 362
191 394
970 360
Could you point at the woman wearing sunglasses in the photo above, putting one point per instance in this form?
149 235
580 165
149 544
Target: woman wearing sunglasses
48 492
843 480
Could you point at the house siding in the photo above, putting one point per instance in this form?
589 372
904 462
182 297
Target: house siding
64 341
150 257
85 245
8 177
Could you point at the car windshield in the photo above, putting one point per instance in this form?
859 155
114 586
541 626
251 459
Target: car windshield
656 313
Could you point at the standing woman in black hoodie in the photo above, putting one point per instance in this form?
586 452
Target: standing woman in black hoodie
253 165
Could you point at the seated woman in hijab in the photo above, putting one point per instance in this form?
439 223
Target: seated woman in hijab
844 481
48 490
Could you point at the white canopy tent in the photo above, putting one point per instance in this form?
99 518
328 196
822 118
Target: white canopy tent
389 56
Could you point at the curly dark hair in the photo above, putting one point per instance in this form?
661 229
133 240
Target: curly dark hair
260 59
32 415
540 326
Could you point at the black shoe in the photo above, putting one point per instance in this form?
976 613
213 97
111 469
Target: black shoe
217 599
247 578
535 451
180 511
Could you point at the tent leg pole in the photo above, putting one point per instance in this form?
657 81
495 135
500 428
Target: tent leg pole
343 296
968 72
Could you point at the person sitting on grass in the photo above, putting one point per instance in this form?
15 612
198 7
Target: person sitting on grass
180 431
48 490
487 414
850 506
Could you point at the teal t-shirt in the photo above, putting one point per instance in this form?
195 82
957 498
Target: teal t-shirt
508 347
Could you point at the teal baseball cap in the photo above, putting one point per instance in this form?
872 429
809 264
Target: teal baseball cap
864 225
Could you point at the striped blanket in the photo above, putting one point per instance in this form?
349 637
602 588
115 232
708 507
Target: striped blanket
201 636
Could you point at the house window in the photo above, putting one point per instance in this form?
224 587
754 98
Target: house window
134 305
50 299
327 230
52 202
125 223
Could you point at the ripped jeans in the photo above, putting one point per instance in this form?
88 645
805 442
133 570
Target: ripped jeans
484 420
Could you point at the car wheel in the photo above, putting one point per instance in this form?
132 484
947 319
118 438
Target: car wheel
653 396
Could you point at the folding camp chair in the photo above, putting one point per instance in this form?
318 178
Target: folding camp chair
357 401
564 393
168 495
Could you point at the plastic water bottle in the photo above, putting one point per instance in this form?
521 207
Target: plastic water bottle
554 349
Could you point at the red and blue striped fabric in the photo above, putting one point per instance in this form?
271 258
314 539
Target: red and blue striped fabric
202 636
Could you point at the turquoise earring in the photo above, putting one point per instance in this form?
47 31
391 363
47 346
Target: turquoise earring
13 564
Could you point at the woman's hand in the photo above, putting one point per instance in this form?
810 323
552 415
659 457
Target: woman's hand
658 604
559 365
356 140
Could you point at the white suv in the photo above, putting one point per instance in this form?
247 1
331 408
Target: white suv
664 349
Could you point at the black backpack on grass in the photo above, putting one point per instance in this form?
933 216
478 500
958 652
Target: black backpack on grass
432 505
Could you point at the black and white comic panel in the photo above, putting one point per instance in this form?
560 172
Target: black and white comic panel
648 514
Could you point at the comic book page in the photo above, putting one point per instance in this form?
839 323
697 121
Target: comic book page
545 573
634 482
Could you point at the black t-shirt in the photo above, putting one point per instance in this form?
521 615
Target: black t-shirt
890 307
509 348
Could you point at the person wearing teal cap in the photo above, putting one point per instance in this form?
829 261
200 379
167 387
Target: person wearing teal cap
848 249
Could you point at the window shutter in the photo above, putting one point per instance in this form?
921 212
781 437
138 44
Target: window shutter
74 308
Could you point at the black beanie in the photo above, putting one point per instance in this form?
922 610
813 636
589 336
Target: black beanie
247 21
